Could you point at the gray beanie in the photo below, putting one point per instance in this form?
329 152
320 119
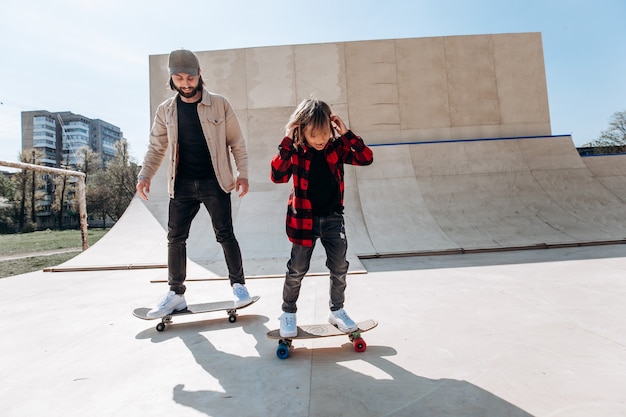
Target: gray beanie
185 61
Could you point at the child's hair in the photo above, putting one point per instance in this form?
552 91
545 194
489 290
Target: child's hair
313 112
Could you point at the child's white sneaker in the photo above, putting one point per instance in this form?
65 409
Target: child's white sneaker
167 304
242 297
342 321
288 327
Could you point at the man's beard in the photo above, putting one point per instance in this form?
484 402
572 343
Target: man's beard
192 93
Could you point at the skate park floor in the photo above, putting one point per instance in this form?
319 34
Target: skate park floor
518 333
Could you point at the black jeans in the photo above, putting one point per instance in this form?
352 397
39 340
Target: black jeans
332 233
188 194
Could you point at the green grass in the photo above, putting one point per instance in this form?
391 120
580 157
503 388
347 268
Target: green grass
31 243
35 263
46 240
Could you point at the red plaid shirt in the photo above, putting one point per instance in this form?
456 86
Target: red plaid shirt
288 162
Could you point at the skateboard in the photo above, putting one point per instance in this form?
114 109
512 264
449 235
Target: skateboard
313 331
228 306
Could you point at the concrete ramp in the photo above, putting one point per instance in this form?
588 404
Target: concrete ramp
487 194
139 239
432 188
610 171
438 197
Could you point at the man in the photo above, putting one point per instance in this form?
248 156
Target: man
201 132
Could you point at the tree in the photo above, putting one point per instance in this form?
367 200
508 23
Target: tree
7 193
122 175
89 161
110 190
99 196
25 194
63 188
613 140
33 188
59 194
7 188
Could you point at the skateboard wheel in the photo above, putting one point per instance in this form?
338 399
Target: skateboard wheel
282 351
160 327
359 344
232 318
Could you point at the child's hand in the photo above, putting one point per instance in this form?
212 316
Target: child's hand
294 133
338 124
289 131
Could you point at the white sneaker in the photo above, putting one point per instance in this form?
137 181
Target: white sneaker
242 297
167 304
342 321
288 326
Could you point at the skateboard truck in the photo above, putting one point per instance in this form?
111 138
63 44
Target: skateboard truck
227 306
232 317
285 345
321 330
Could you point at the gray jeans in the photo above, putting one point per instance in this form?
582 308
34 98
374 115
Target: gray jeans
331 232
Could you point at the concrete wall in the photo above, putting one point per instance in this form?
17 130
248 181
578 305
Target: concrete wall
389 90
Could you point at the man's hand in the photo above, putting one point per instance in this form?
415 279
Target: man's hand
243 184
143 187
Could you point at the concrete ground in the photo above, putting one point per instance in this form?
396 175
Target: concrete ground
528 333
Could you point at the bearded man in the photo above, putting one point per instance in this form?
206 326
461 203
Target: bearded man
201 131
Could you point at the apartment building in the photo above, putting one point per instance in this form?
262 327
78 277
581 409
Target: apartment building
59 135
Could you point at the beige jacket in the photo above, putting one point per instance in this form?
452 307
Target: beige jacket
221 131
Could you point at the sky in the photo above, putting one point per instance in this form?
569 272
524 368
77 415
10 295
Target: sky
90 57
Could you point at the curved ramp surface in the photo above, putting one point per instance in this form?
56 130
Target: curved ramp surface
486 194
421 197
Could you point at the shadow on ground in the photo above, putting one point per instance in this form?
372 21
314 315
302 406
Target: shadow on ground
317 381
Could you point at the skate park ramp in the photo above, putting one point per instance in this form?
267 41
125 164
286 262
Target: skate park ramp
464 158
464 173
416 199
487 195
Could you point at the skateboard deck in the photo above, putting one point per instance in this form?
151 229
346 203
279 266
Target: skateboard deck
228 306
313 331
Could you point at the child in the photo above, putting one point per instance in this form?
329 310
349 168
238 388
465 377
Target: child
312 153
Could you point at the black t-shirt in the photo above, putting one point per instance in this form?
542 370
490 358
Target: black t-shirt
323 187
194 157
